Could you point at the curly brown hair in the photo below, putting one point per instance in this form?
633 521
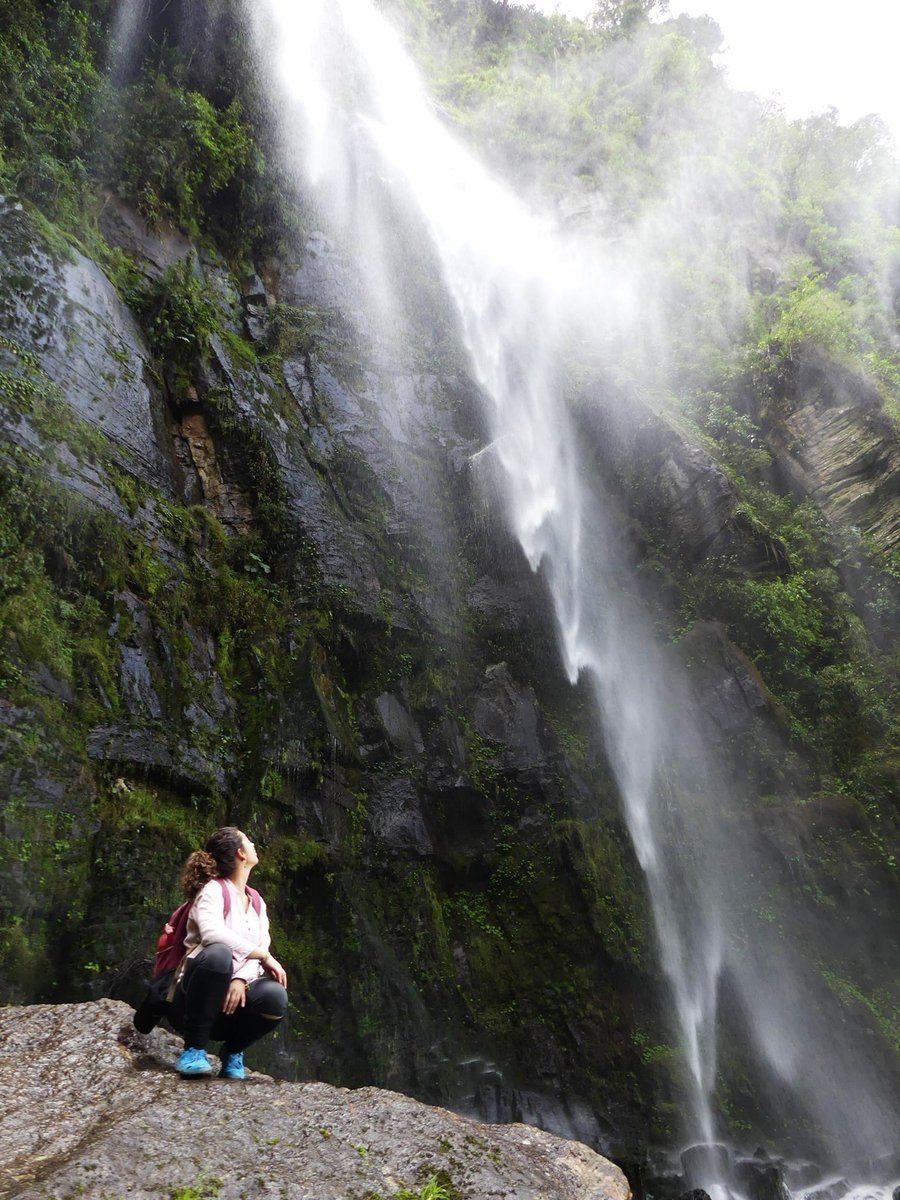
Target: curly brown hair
217 860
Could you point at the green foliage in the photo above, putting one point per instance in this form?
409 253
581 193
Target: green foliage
172 153
783 617
178 151
47 58
436 1187
812 315
432 1189
613 897
241 350
617 18
802 631
176 314
737 439
472 907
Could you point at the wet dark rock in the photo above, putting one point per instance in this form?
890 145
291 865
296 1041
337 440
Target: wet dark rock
445 759
136 683
697 497
254 290
256 316
299 385
507 714
760 1179
883 1168
122 227
731 690
10 715
496 1103
49 683
499 605
695 1194
346 559
394 817
134 1127
324 278
154 752
459 824
674 488
68 313
401 730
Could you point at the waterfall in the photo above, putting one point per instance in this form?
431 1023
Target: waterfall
360 114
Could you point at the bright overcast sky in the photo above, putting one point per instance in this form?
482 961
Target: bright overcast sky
814 54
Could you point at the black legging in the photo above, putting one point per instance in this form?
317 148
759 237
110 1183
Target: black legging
196 1009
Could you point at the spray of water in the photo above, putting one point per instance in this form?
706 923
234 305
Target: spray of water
128 16
363 122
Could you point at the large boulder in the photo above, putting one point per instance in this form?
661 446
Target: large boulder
99 1111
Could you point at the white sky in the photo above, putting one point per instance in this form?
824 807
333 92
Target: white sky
812 54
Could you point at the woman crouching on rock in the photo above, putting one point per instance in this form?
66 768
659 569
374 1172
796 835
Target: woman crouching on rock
229 986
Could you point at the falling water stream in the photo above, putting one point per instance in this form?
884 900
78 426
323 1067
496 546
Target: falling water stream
362 121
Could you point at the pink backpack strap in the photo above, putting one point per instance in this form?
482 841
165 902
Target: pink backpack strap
226 897
255 898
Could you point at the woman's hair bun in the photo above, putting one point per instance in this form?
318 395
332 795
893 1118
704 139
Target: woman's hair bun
198 870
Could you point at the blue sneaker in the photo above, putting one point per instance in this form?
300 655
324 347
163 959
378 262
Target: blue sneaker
193 1064
232 1064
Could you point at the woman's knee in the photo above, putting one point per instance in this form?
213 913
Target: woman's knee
271 1001
216 957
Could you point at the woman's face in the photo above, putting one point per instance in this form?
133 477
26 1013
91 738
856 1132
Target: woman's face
252 858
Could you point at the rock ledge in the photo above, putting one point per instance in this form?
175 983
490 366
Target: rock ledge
95 1110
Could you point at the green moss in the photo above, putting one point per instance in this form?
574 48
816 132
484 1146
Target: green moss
334 701
879 1007
606 871
241 351
126 806
24 955
205 1188
50 614
26 390
293 332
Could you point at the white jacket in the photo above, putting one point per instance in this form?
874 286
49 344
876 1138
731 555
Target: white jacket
242 930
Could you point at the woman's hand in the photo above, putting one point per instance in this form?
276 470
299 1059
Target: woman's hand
273 967
235 997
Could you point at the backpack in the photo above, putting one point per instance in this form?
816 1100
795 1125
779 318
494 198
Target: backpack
170 946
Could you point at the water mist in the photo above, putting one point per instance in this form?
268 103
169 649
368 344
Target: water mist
362 121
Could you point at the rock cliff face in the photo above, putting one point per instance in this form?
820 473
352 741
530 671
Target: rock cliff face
101 1113
293 623
837 446
255 578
